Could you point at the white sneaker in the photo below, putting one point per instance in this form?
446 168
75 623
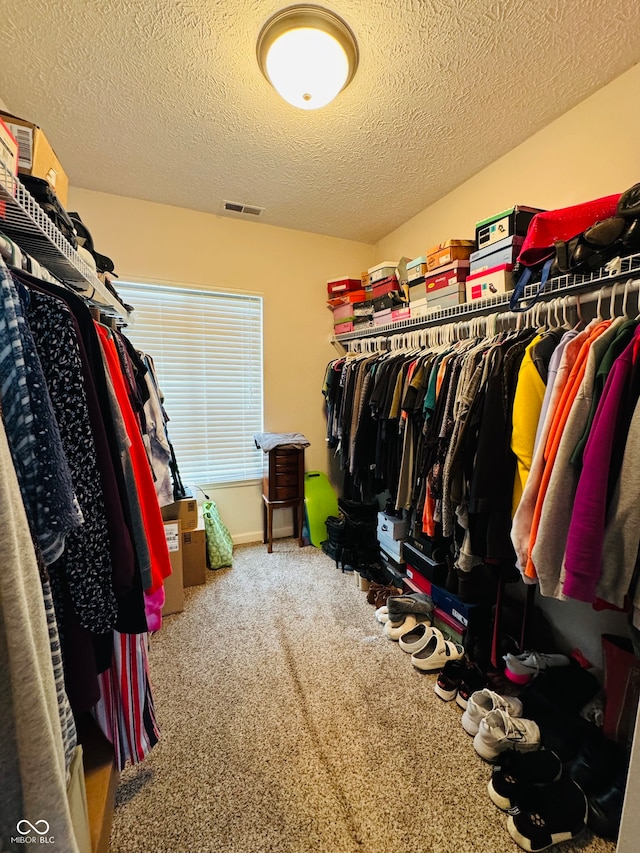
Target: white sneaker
436 653
521 668
499 731
482 702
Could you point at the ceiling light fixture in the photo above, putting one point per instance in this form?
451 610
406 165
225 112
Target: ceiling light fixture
308 54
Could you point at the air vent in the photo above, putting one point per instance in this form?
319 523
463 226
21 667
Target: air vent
249 209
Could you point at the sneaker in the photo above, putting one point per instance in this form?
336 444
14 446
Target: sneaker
500 731
482 702
446 687
522 668
473 680
519 771
549 815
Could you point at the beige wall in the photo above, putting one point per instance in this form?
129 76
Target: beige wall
154 242
591 151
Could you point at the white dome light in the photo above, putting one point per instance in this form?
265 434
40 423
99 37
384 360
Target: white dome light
308 54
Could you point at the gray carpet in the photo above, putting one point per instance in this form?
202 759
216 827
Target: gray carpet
291 724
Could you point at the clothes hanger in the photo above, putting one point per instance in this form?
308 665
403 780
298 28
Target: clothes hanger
612 301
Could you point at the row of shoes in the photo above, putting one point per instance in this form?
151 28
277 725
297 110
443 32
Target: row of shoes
415 635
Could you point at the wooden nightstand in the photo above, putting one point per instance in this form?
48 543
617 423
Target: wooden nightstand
283 486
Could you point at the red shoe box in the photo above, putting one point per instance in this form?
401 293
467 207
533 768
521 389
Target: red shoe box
418 580
343 284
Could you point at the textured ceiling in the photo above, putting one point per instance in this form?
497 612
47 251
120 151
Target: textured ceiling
163 99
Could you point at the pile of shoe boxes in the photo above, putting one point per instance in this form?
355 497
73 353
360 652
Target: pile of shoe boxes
499 239
437 279
385 294
391 533
344 293
427 571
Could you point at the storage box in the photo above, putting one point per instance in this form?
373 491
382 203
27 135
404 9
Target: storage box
391 525
8 157
515 220
185 510
363 323
416 268
449 251
387 285
365 278
400 313
36 156
343 328
418 579
363 309
391 546
389 300
447 297
381 318
173 585
490 282
451 629
344 298
380 271
417 291
429 568
343 284
394 571
420 308
343 313
466 614
494 255
194 557
455 272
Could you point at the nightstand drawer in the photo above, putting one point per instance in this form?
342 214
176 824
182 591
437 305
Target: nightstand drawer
285 493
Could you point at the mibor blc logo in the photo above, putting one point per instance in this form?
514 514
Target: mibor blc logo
33 833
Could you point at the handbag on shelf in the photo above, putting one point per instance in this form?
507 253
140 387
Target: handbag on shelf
581 238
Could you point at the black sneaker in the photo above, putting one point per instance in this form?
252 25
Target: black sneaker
548 815
449 679
472 680
516 772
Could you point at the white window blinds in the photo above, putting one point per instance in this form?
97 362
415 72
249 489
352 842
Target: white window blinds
207 349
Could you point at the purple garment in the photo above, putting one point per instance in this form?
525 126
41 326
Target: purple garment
583 558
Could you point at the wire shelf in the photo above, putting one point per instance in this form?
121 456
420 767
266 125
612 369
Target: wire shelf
561 286
25 222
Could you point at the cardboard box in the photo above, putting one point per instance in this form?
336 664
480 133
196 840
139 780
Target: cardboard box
343 328
503 252
449 251
387 285
343 284
36 156
345 298
515 220
417 291
194 557
447 297
420 308
343 313
185 510
8 157
173 585
380 271
490 282
400 313
416 268
381 318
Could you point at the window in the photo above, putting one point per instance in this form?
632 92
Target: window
207 349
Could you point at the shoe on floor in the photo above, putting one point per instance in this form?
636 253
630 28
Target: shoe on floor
449 680
516 772
522 668
500 731
382 614
416 638
436 653
549 815
473 680
483 702
394 630
412 602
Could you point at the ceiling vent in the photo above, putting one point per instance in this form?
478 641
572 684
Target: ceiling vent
249 209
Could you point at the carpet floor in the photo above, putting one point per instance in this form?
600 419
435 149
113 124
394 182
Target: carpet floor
289 723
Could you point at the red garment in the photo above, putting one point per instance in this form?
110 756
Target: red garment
151 515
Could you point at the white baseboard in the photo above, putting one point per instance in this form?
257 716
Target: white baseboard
256 535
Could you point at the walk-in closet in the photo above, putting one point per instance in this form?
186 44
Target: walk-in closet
320 427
